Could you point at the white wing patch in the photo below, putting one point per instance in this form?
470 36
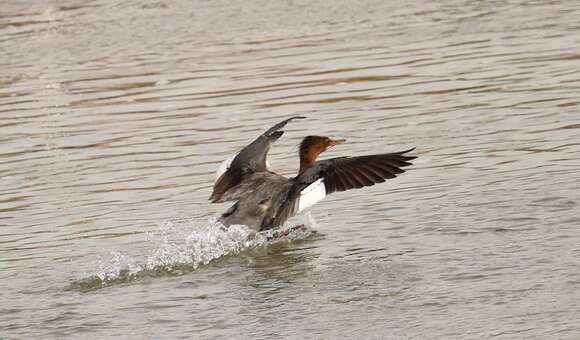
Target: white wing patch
224 167
312 194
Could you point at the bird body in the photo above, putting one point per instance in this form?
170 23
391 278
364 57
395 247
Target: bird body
265 200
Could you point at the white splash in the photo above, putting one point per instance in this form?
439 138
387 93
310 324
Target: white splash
113 268
182 246
201 245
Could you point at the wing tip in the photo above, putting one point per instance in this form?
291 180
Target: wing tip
280 125
407 151
408 157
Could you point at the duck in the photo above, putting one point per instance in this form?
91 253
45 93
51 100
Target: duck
265 200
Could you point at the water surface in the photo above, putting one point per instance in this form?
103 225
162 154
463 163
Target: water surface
114 116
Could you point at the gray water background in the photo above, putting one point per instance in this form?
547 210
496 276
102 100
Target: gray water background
115 114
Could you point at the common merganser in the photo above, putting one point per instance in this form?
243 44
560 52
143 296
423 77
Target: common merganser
265 200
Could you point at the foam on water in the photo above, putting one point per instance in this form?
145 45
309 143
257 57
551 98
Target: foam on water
181 246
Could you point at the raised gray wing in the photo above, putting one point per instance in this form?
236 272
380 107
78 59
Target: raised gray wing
251 159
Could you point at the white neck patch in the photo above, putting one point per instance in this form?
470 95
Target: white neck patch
312 194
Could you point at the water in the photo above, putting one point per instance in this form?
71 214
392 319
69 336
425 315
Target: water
114 116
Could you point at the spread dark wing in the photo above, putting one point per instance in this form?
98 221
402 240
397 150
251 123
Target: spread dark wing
340 174
251 159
